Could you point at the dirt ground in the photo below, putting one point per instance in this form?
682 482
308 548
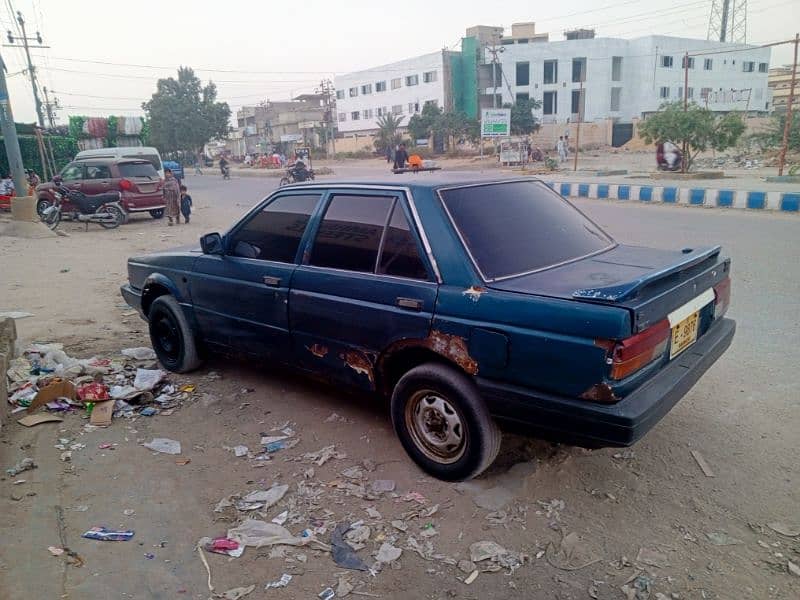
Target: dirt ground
637 523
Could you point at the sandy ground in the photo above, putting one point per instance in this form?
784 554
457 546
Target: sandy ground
590 521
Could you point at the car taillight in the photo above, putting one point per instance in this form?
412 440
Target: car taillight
633 353
722 297
125 185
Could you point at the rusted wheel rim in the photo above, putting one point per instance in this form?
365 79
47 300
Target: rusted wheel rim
436 426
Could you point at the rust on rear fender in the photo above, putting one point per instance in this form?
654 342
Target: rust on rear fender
362 362
452 347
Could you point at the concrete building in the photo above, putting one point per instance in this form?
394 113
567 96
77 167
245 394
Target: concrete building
780 82
271 123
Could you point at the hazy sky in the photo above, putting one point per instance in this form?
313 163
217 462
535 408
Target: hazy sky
277 49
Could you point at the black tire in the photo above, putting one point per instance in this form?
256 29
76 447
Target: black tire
284 181
172 336
41 205
52 220
117 213
434 389
157 213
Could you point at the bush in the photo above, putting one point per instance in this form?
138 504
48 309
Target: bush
64 150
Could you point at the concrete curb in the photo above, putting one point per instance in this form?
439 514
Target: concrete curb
8 337
683 196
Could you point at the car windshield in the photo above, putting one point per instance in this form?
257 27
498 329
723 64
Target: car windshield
522 226
151 158
137 169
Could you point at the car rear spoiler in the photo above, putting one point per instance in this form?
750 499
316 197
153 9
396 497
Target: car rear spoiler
624 291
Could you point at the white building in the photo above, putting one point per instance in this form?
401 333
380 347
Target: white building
626 79
400 88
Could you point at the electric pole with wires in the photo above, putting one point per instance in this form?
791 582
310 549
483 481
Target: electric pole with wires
24 39
50 107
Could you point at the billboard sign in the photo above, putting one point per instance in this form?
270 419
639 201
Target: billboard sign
496 122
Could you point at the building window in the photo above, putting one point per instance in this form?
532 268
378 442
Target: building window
666 62
429 77
616 95
353 92
577 104
413 107
549 101
412 80
397 109
763 67
379 112
366 89
342 117
523 96
380 86
690 92
748 66
355 115
367 113
431 103
397 83
704 93
691 62
664 92
523 73
680 92
708 64
340 94
616 68
551 71
578 70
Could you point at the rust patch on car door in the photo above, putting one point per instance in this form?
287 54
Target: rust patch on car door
361 362
318 350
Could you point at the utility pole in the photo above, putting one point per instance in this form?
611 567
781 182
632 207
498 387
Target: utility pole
580 117
31 69
10 134
494 50
327 91
788 125
51 107
685 105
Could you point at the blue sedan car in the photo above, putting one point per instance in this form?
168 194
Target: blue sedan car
467 303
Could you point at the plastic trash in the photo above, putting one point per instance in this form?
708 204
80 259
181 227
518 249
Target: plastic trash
25 464
239 451
388 553
147 379
260 533
108 535
267 497
139 353
148 411
164 445
343 554
282 582
326 594
223 545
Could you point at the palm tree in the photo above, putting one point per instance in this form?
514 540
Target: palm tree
388 136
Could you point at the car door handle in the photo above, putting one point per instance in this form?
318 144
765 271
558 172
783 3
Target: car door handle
409 303
271 281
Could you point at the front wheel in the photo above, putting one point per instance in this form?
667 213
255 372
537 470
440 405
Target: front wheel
117 214
284 181
51 219
41 205
157 213
443 422
172 336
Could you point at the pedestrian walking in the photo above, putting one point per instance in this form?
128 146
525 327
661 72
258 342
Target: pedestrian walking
561 148
186 204
198 166
400 157
172 196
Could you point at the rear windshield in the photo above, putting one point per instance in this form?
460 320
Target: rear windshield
151 158
137 169
519 227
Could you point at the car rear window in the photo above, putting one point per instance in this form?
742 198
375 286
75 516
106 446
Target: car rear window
521 226
153 159
137 169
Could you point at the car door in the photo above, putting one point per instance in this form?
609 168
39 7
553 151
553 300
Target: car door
98 179
73 176
364 284
240 298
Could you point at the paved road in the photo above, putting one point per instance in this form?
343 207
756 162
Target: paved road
744 416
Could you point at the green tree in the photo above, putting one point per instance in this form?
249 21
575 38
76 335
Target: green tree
697 129
772 137
522 120
182 115
421 126
388 135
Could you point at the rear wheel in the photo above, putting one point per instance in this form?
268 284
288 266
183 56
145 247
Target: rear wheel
157 213
443 423
172 336
116 213
284 181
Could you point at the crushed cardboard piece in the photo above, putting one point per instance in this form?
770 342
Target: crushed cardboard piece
57 389
102 413
32 420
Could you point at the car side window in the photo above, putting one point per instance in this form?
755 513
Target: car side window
274 233
350 233
400 255
72 172
98 172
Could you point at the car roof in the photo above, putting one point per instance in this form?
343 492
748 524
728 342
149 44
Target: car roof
110 161
418 181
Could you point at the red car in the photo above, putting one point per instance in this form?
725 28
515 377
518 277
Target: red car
137 180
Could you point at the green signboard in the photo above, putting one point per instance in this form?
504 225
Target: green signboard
496 122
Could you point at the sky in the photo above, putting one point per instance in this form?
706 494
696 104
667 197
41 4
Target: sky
104 57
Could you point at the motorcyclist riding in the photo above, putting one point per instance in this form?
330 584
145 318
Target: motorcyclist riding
223 166
299 171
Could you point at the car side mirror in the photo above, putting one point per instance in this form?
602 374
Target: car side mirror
211 243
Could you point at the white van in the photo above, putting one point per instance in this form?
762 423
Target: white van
147 153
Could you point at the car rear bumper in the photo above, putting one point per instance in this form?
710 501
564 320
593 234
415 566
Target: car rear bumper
132 297
142 202
621 424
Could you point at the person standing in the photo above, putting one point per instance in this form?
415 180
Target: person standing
186 204
33 181
400 157
561 148
198 166
172 196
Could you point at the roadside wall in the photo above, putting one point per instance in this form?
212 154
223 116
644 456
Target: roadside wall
355 144
8 336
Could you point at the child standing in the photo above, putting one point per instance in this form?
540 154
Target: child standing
186 204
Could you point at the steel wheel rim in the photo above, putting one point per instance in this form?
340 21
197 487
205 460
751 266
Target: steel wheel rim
167 337
436 426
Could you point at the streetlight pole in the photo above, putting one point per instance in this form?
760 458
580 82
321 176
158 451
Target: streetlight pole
31 68
788 125
10 135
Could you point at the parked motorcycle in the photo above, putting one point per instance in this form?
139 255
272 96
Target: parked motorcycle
297 173
104 209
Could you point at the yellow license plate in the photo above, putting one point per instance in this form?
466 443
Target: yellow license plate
684 334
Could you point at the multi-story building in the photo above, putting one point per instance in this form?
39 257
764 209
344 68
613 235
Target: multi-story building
582 77
270 123
780 82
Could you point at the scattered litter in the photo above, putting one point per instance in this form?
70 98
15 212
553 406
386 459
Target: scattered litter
147 379
373 513
701 462
326 594
485 550
281 518
80 508
282 582
466 566
267 498
320 457
25 464
380 486
15 314
164 445
237 593
140 353
149 555
414 497
472 577
793 568
651 557
188 388
128 512
259 534
358 535
344 587
55 551
429 531
38 419
400 525
335 418
108 535
222 545
148 411
240 451
720 538
271 439
388 553
183 461
343 553
784 529
494 499
102 413
640 590
93 392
